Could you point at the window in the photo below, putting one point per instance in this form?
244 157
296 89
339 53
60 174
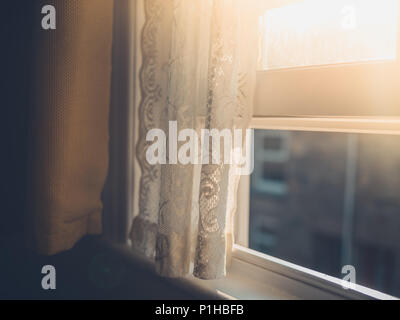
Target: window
312 93
269 163
314 32
341 206
326 68
327 125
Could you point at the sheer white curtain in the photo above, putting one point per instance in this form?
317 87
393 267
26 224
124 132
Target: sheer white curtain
199 63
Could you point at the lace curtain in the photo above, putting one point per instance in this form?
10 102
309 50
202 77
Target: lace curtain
198 69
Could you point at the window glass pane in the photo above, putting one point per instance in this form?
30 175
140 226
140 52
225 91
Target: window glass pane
272 142
318 32
327 200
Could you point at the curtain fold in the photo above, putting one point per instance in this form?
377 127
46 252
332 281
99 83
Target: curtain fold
199 63
69 130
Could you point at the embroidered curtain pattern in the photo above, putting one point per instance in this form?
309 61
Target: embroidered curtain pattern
199 62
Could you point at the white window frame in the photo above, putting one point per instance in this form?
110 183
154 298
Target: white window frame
251 274
283 114
352 90
387 126
295 280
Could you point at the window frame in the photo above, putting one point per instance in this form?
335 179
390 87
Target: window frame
282 90
292 280
366 125
360 89
251 274
303 278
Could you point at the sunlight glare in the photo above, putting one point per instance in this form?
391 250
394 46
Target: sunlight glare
320 32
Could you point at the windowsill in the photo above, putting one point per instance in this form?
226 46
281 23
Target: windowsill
256 276
253 275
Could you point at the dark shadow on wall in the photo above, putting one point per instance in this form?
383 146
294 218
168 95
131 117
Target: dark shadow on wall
16 28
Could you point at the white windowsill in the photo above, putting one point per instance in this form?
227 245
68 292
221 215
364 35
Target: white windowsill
253 275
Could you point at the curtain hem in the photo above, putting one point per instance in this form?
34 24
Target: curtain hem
69 235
